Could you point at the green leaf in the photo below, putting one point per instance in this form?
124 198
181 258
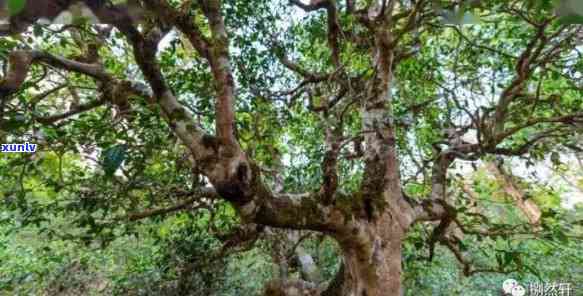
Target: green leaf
507 258
15 122
15 6
573 19
113 157
37 31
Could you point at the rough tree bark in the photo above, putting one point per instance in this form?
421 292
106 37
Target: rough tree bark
527 206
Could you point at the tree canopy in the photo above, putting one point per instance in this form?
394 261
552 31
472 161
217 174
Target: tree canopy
264 147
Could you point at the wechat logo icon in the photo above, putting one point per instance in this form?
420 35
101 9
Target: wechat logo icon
512 288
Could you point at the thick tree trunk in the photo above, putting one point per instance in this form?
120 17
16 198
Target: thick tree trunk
371 259
371 241
371 262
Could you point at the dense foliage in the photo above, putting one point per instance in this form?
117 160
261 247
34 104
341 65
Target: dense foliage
481 106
